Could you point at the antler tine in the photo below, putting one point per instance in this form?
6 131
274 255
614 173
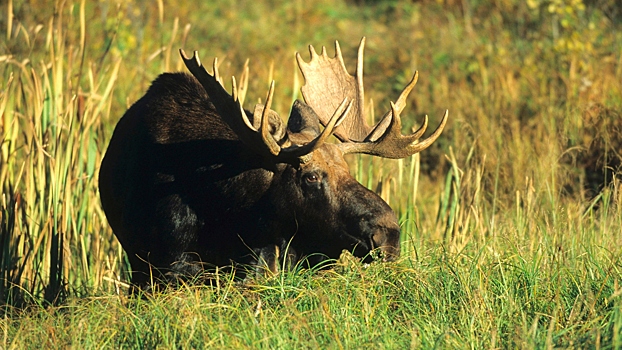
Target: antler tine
247 122
234 89
264 130
243 83
430 139
215 70
312 51
359 80
339 56
419 132
401 101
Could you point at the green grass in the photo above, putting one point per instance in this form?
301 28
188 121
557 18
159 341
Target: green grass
507 242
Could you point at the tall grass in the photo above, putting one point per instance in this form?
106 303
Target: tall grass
53 137
505 244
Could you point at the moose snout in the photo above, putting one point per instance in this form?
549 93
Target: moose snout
386 236
387 240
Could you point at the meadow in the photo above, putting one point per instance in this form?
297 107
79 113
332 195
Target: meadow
511 221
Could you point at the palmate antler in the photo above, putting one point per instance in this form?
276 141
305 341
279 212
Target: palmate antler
257 137
327 82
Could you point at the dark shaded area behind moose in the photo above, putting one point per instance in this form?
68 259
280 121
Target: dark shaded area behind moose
191 180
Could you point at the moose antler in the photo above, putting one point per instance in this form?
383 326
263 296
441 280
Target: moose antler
256 138
327 81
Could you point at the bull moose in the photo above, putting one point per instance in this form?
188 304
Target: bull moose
193 180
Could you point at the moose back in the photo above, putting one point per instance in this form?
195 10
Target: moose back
192 180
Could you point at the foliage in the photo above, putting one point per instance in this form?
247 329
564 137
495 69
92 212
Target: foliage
510 222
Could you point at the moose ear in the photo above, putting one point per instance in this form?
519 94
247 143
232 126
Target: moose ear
275 122
303 120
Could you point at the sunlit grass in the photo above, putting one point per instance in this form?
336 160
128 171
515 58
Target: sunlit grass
503 243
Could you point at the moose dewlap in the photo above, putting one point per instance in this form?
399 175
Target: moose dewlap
193 180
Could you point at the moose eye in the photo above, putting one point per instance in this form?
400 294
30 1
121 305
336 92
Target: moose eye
311 178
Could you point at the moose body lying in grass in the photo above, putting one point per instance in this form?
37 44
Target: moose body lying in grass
192 180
